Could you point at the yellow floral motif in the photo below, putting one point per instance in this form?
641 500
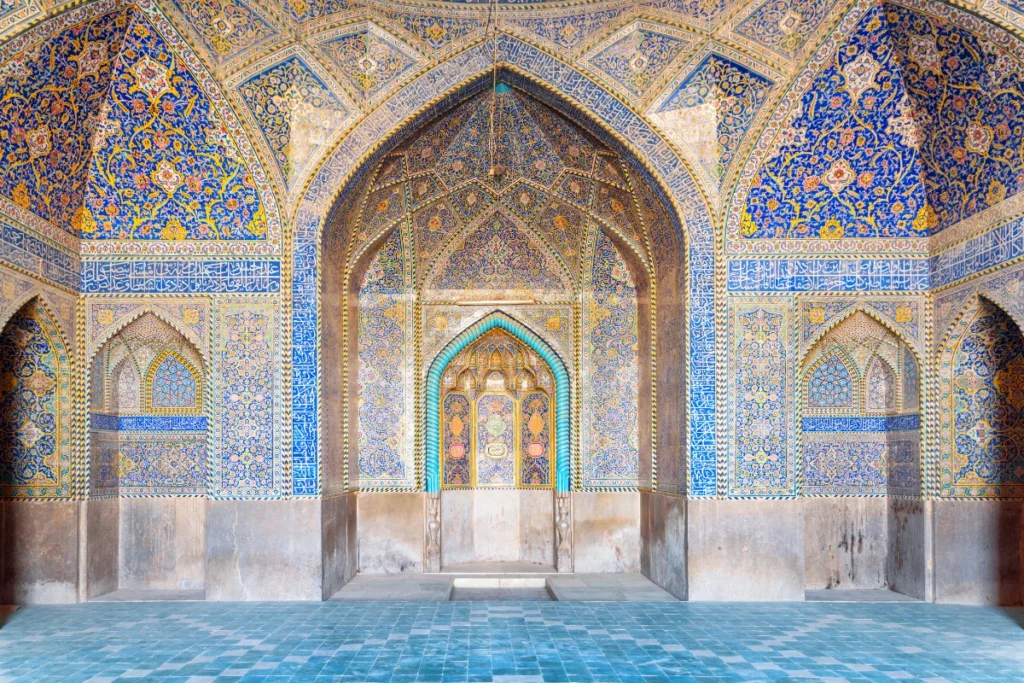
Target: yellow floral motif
832 230
747 225
173 230
554 323
904 314
816 315
127 464
105 316
996 193
82 221
191 316
258 225
20 196
1010 382
926 219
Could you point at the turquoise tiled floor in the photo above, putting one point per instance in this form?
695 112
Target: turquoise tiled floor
512 641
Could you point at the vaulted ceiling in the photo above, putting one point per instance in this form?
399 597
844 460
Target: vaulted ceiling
799 118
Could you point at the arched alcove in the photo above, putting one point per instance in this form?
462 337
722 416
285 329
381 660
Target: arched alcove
861 460
980 512
148 461
563 238
36 541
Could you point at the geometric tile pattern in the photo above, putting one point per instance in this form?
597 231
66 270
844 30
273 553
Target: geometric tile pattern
159 439
711 110
247 406
610 438
524 641
637 56
830 385
761 457
860 434
297 112
173 385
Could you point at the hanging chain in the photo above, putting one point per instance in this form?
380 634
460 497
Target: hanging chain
492 22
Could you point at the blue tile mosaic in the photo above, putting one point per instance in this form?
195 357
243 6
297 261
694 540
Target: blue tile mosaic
103 422
24 250
892 423
580 94
990 249
527 642
828 275
149 423
181 277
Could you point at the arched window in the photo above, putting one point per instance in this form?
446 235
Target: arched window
172 385
831 384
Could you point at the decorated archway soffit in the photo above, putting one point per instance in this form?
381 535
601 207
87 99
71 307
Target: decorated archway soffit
556 186
719 80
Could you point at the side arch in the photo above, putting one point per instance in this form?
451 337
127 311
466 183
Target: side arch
945 484
433 393
54 435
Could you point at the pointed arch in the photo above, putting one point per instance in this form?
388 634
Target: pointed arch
852 374
44 298
40 436
151 375
868 310
174 323
497 319
888 375
573 95
961 395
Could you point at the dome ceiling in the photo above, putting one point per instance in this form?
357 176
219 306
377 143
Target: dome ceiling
737 89
554 183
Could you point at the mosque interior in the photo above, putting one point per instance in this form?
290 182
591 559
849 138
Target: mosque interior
683 300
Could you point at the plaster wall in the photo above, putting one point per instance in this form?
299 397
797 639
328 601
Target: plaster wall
907 560
162 543
606 532
663 541
390 532
38 552
745 549
103 531
845 543
978 552
498 525
263 550
339 541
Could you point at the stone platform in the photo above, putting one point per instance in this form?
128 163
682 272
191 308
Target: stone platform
475 582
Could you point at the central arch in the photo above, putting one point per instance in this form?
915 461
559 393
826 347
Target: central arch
502 321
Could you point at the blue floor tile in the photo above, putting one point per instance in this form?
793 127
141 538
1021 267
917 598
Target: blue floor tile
512 642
